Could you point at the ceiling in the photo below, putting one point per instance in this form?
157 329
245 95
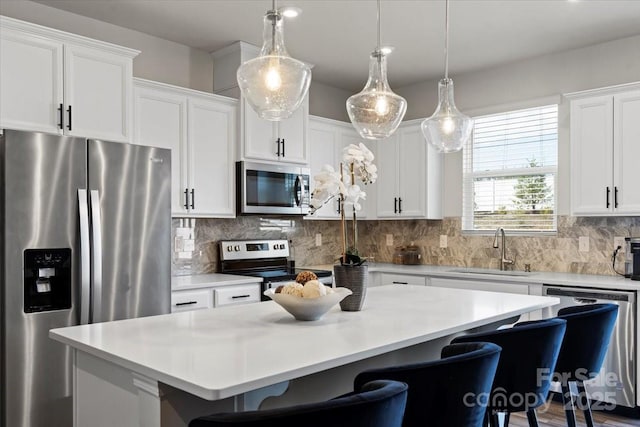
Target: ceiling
337 36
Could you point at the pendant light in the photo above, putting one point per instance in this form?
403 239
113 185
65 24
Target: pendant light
376 112
274 84
447 129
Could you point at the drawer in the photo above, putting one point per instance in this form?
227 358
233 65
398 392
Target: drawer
402 279
240 294
191 300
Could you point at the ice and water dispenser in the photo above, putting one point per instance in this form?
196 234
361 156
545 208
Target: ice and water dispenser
47 279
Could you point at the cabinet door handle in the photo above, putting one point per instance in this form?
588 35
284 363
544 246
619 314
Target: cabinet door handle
608 193
193 198
240 296
61 116
282 147
178 304
278 143
338 200
186 198
69 111
395 205
399 204
615 197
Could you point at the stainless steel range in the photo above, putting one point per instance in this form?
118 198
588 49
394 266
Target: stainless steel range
268 259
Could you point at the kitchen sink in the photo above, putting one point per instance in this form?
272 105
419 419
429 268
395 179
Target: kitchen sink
489 272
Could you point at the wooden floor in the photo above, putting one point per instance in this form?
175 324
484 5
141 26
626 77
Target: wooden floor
553 416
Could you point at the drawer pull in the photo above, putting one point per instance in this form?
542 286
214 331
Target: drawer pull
400 283
240 296
178 304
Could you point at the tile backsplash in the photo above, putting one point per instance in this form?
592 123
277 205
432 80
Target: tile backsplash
559 252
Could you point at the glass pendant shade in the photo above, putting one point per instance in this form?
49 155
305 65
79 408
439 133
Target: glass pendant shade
274 84
376 112
447 130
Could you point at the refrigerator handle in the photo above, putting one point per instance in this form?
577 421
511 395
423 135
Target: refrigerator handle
96 270
85 257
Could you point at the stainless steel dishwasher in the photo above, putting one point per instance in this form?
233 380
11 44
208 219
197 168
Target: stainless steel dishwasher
616 383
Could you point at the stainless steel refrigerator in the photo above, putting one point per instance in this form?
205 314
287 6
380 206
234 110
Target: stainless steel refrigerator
86 230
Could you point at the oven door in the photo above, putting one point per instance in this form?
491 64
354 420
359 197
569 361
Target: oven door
272 189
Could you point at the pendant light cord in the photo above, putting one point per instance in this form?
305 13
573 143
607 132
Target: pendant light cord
379 26
446 40
273 26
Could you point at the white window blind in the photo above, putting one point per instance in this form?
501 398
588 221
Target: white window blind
509 172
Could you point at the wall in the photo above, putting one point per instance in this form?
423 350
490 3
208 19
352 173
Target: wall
518 85
547 253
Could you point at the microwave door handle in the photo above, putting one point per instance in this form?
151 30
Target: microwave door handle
297 188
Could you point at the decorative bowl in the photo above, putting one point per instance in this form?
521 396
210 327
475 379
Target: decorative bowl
308 308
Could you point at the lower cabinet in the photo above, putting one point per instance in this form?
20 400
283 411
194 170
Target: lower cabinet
232 295
191 300
186 300
401 279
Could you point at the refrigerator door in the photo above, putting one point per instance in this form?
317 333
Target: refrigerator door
41 175
130 204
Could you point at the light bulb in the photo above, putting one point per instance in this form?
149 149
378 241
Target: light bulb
382 106
448 125
273 81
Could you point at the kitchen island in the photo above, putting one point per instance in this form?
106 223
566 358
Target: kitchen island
165 370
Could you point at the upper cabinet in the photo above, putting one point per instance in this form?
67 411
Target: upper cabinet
200 130
283 141
605 130
327 139
409 176
56 82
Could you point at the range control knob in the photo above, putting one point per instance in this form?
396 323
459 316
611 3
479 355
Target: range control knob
236 248
275 247
281 245
229 248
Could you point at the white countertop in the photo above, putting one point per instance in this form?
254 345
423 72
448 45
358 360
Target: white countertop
210 280
226 351
542 277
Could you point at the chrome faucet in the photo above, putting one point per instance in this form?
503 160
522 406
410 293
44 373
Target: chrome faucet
503 253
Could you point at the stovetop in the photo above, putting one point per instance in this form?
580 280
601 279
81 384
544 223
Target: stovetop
280 275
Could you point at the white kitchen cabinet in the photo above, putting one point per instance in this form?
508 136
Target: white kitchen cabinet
401 279
282 141
409 176
56 82
327 139
191 300
233 295
605 131
200 129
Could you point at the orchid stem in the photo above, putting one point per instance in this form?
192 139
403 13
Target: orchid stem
342 220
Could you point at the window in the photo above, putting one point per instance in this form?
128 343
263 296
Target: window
509 175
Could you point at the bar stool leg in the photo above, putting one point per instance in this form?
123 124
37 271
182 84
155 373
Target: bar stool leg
506 419
533 419
567 400
584 404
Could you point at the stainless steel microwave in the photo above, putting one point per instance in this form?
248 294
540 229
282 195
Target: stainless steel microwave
264 188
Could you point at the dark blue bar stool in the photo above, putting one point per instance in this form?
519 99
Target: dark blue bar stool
527 362
447 392
377 404
583 350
